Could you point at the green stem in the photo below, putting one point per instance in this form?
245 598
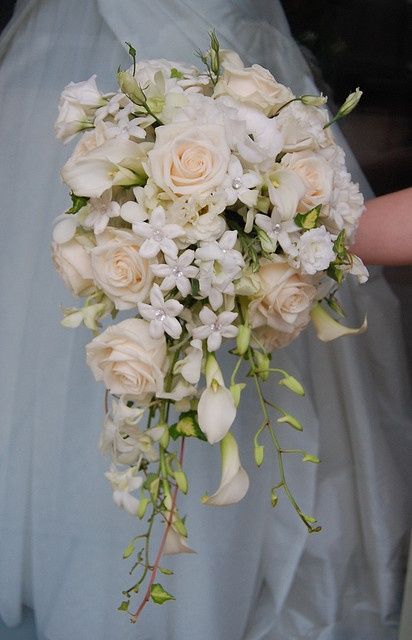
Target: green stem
279 451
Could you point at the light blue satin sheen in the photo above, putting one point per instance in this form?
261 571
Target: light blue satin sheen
256 574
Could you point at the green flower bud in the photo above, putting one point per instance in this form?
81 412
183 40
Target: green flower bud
259 453
350 103
236 390
313 101
262 363
243 339
294 385
128 85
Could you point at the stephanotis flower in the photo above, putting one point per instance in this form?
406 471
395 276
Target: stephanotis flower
100 211
159 235
282 232
161 314
239 185
219 265
215 327
176 272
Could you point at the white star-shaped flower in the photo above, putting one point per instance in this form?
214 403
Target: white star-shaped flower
282 232
161 314
176 272
159 235
100 211
239 185
215 327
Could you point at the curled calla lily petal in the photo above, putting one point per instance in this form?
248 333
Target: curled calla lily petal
175 543
216 412
235 481
328 329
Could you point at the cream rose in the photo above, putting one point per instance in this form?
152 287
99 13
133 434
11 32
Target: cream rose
284 300
188 159
317 175
129 360
72 261
118 268
253 85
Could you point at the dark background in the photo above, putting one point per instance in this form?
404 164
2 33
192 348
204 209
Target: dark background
365 43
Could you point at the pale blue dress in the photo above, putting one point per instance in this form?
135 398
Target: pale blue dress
257 575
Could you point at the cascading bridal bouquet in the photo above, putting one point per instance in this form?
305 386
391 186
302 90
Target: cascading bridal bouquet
214 208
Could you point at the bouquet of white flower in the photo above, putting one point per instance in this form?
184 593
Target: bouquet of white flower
211 206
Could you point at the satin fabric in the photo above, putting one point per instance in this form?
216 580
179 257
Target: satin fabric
256 575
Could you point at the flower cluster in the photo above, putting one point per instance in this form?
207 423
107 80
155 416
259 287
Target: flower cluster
209 207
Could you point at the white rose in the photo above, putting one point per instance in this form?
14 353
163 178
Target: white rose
317 175
315 250
118 268
129 360
272 339
188 159
72 261
284 300
253 85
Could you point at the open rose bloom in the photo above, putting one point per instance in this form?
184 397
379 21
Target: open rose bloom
212 210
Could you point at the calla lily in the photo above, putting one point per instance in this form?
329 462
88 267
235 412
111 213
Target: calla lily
112 163
235 481
216 409
328 329
175 543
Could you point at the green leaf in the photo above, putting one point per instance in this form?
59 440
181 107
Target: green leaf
187 426
175 73
123 606
180 526
128 551
159 595
78 202
309 219
308 457
335 273
339 246
259 453
166 572
292 421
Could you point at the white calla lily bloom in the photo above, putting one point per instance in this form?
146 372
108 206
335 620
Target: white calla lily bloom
328 329
216 409
234 481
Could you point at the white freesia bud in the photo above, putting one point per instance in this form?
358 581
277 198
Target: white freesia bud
328 329
216 409
313 101
234 481
350 103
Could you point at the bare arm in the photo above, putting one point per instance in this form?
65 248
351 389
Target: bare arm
384 235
